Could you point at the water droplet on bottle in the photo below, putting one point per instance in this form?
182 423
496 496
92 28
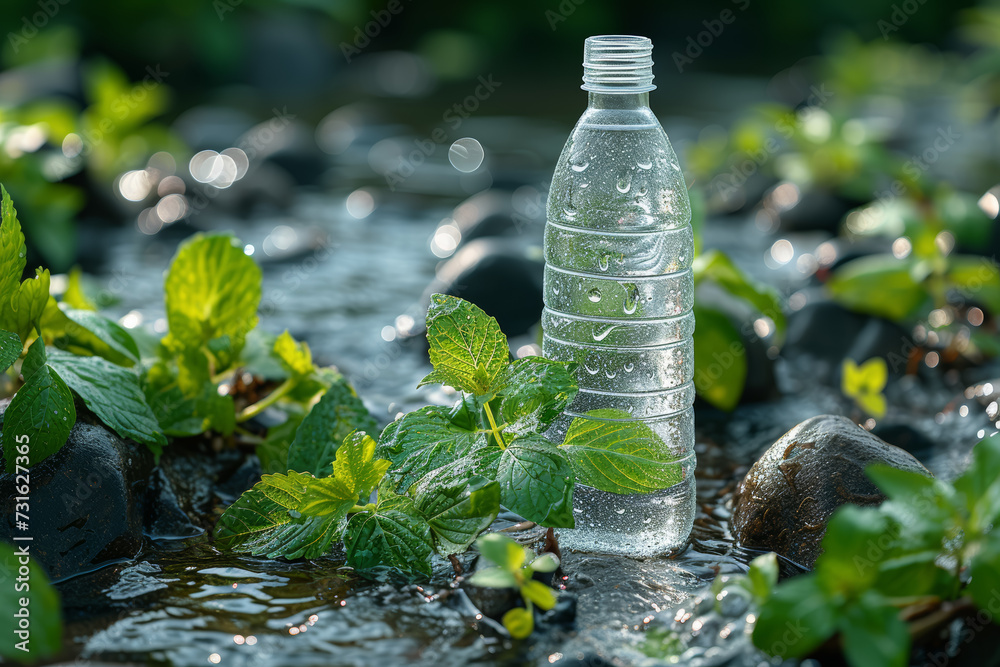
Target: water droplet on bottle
624 182
631 297
629 367
555 288
599 336
620 511
583 184
570 212
645 163
643 190
580 166
592 371
602 262
594 295
610 374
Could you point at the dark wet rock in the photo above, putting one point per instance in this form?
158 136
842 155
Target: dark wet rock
503 277
905 437
497 212
884 339
165 518
492 602
87 501
784 502
202 478
563 615
822 329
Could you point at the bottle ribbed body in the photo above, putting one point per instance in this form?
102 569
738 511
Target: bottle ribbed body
618 302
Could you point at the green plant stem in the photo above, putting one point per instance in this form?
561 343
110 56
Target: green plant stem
493 426
251 411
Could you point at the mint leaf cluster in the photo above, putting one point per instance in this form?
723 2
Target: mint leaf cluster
932 541
181 385
91 358
497 429
300 515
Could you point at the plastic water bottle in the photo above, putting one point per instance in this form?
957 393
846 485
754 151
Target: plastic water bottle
619 293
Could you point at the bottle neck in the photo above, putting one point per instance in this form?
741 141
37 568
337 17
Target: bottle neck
618 100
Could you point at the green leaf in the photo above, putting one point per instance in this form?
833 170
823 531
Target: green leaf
467 348
388 537
112 393
618 456
41 416
796 619
539 594
295 357
12 250
547 562
10 349
493 577
720 361
85 332
212 290
43 604
338 413
356 466
715 266
978 484
878 285
22 311
977 278
901 485
763 576
273 518
851 548
874 635
75 296
427 439
456 508
533 391
273 452
984 574
500 549
519 622
536 481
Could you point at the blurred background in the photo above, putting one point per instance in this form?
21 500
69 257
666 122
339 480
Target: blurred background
323 134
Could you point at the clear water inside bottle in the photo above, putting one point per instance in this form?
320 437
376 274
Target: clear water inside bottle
618 301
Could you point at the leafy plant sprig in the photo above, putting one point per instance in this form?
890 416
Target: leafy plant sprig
515 566
931 542
179 386
442 474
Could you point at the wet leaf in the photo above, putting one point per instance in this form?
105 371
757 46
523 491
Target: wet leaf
279 517
539 594
295 357
763 576
85 332
536 481
338 413
212 290
390 538
456 507
112 393
619 456
533 391
427 439
467 348
41 414
10 349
